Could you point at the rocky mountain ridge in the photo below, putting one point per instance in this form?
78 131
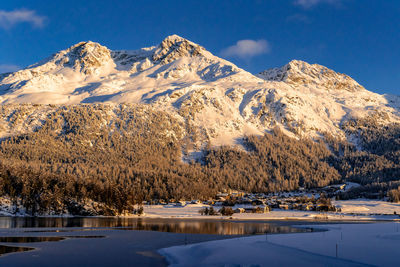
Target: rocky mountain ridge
298 72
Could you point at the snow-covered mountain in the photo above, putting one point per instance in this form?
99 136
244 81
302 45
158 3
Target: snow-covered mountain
301 73
220 100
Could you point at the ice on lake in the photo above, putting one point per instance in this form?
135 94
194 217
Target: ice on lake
341 245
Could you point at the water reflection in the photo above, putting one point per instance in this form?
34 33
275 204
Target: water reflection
8 249
36 239
29 239
216 227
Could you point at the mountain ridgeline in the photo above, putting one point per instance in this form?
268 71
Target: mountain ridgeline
94 131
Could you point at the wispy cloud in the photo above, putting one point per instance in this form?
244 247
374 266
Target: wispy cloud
246 49
311 3
8 19
8 68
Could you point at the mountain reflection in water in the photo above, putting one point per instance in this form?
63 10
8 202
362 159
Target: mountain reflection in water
36 239
29 239
216 227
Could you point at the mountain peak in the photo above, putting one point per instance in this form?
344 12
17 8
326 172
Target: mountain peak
86 57
84 44
174 47
174 38
298 72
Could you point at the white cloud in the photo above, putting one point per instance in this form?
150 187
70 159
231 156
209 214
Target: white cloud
246 49
8 19
8 68
311 3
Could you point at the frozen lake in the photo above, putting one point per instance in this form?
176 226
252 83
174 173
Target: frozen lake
113 241
372 244
193 242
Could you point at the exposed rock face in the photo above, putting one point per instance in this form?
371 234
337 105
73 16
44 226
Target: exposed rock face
85 57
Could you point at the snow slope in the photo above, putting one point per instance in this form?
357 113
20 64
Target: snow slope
220 100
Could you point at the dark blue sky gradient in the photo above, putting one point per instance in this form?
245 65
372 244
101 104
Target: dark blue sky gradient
360 38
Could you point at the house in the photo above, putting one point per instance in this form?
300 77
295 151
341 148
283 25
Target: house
244 200
265 208
209 202
257 209
234 193
284 206
256 202
322 207
307 207
180 204
239 210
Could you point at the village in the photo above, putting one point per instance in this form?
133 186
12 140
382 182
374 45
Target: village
232 201
240 202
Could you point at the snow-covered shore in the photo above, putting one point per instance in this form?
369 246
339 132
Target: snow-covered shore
342 245
352 210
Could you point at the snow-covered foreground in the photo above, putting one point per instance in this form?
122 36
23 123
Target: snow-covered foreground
351 210
342 245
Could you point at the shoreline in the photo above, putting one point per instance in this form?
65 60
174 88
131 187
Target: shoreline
335 217
370 211
358 210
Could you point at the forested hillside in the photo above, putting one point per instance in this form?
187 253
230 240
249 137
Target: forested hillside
82 155
374 161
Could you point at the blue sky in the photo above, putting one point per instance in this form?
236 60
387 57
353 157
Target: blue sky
358 37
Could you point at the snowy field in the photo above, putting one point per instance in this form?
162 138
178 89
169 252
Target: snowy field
361 206
374 244
360 209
